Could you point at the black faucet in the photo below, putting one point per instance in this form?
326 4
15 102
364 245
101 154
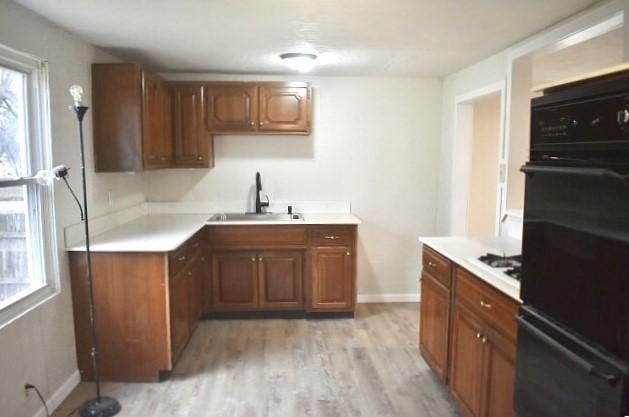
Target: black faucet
260 204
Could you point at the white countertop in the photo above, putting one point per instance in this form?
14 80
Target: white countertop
461 249
166 232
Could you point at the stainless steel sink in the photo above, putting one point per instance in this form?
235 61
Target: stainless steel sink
248 217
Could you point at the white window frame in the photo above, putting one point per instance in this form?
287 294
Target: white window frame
41 215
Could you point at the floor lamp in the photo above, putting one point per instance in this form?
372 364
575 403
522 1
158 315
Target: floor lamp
100 406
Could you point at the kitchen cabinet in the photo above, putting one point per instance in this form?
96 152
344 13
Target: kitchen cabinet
260 268
284 108
332 278
232 107
147 304
193 145
434 324
131 118
245 280
468 336
157 144
280 279
234 277
264 108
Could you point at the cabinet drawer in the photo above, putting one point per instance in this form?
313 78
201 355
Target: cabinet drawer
257 236
184 255
490 304
436 266
332 236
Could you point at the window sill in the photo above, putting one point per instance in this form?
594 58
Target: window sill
25 304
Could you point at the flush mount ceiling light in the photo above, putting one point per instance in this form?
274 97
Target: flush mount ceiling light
298 61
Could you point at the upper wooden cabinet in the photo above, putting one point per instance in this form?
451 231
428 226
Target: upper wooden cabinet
157 143
265 108
232 107
193 145
142 122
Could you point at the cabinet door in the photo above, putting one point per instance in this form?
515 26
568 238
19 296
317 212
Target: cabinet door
192 145
434 322
332 278
499 378
467 360
284 109
157 145
280 280
232 107
195 276
179 313
234 281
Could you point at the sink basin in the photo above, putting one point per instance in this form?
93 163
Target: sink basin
248 217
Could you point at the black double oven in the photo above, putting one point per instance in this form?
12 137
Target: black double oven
573 327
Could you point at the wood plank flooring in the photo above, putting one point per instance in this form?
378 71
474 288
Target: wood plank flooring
368 366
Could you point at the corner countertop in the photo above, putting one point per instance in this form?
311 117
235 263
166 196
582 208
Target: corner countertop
461 249
166 232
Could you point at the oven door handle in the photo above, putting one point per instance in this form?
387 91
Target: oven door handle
565 352
589 172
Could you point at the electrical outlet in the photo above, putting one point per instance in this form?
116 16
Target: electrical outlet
110 198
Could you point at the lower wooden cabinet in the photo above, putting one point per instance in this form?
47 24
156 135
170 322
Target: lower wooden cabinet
434 324
280 280
247 280
468 337
332 278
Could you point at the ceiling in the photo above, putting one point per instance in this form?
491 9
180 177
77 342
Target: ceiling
352 37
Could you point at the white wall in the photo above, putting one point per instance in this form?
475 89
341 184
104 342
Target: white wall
452 208
375 142
39 347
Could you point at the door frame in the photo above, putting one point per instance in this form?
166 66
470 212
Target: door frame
464 137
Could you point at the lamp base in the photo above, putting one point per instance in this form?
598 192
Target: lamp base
106 407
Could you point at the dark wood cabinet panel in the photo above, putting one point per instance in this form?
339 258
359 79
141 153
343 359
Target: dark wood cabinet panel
281 279
284 108
192 142
117 117
466 363
156 122
332 278
499 378
232 107
180 298
434 324
234 278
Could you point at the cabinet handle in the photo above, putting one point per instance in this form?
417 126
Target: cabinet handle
163 158
182 258
432 264
485 304
195 245
330 237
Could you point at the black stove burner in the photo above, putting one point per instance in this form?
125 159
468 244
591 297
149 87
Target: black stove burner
514 272
497 261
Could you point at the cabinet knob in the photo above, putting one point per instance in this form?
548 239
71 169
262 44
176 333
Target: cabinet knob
182 258
253 259
252 123
478 335
330 237
484 340
348 253
260 259
432 264
485 304
261 123
163 158
200 158
189 273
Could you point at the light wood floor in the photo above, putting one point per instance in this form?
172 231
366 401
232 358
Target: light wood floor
369 366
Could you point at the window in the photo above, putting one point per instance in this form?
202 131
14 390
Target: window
28 259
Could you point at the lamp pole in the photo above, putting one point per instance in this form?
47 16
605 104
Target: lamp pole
101 406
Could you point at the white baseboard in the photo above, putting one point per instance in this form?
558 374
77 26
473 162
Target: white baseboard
60 394
388 298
